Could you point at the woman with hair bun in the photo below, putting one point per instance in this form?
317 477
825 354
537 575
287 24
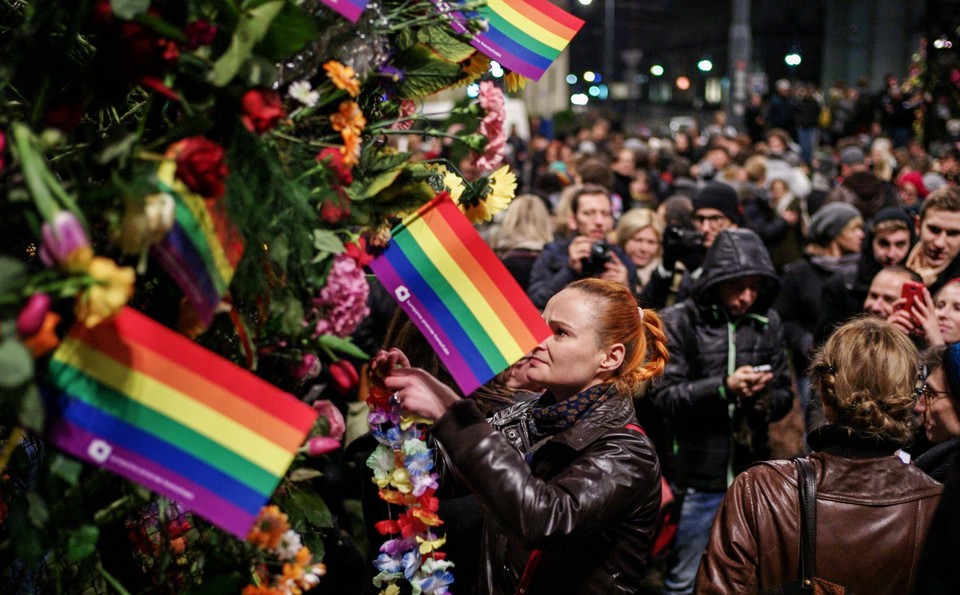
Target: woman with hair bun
569 481
872 509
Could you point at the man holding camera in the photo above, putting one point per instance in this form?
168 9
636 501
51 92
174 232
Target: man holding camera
586 255
726 380
716 208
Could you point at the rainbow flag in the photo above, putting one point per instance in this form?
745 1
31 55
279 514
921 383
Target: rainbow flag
525 36
146 403
458 293
348 8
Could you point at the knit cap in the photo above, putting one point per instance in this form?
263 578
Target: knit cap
951 367
722 197
829 220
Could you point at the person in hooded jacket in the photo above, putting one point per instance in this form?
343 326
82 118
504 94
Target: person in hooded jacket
726 380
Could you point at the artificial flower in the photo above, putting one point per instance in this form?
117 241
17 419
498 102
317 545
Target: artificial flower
381 461
475 67
495 197
351 148
199 33
290 544
348 117
31 316
428 545
3 149
343 77
337 207
391 590
112 288
145 224
304 93
201 166
335 421
268 530
344 375
404 120
308 368
46 339
65 243
342 303
261 590
492 127
334 160
358 251
453 184
321 445
262 109
514 82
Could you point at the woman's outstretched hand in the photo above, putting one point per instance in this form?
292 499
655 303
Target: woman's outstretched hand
420 393
384 362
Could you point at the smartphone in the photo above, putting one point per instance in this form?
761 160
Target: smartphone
763 368
912 292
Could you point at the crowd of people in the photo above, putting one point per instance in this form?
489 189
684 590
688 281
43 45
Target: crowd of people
698 285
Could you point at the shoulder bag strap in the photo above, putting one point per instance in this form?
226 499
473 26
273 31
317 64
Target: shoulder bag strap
807 482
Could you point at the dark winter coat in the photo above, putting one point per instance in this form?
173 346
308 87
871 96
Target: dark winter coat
551 271
719 434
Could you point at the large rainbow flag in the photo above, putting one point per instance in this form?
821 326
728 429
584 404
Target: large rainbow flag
202 250
458 293
348 8
152 406
525 36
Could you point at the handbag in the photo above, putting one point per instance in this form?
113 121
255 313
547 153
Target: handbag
807 583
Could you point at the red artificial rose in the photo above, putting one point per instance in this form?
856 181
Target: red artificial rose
337 209
334 160
262 109
201 167
358 251
344 375
199 33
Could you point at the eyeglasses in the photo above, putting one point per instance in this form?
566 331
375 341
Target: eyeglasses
701 219
928 395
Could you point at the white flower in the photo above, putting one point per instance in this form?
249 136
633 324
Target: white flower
302 92
290 544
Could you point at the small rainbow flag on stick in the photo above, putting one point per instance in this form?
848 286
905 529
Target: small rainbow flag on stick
525 36
202 250
458 293
152 406
348 8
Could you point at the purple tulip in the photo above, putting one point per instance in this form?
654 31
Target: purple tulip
62 239
30 319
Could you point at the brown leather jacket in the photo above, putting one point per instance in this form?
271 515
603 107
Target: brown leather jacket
872 518
588 498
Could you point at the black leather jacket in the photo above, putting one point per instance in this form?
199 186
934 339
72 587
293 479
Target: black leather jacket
588 499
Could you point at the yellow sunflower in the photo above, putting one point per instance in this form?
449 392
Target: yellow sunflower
454 184
475 67
343 77
514 82
500 190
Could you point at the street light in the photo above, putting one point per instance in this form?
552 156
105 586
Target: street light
792 59
705 65
656 70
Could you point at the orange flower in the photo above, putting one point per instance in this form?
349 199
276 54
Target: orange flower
45 340
350 117
351 148
260 590
343 77
269 529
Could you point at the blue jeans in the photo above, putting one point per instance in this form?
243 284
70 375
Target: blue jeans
693 533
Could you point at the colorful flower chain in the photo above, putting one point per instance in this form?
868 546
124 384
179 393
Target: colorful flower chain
299 571
403 469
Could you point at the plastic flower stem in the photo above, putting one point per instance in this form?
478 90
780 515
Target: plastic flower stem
110 512
110 579
25 152
13 441
311 143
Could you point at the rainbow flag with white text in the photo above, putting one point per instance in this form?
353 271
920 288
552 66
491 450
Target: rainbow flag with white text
348 8
525 36
146 403
459 294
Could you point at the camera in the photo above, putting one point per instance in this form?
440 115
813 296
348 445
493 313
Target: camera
599 256
679 237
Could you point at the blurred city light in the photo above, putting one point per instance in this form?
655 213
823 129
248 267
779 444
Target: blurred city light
585 2
705 65
473 91
572 79
656 70
589 76
594 91
496 70
683 83
579 99
792 59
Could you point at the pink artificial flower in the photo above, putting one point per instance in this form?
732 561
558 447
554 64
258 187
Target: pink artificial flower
335 419
321 445
3 147
31 317
492 126
309 368
65 243
342 303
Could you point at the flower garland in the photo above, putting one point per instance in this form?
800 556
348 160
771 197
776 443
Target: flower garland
403 469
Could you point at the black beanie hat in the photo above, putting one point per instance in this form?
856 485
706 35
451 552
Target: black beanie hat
722 197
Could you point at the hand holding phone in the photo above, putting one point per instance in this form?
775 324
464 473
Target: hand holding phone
911 292
763 368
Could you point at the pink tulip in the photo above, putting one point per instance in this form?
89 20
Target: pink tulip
62 239
334 417
321 445
31 316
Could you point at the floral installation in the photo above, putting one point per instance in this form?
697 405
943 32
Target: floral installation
277 119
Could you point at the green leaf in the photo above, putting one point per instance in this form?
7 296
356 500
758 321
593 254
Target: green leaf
12 275
442 40
82 542
374 161
343 346
291 319
119 149
252 27
16 364
326 240
426 72
66 468
32 412
289 33
127 9
37 510
381 182
311 508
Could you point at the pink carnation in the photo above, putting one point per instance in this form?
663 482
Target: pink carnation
492 126
337 424
342 303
